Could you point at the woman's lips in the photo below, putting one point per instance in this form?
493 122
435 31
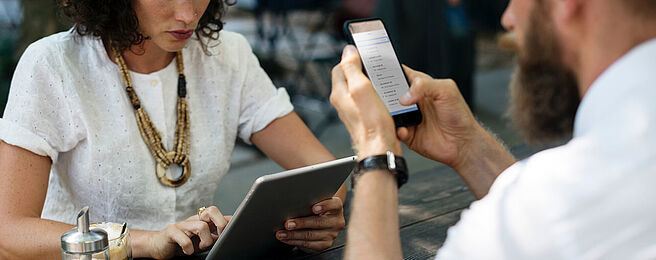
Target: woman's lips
181 34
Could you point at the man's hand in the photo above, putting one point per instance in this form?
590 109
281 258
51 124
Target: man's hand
188 236
365 116
448 125
450 134
315 233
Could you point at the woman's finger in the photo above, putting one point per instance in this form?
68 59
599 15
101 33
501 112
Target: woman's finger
307 234
316 222
213 215
200 229
179 237
328 206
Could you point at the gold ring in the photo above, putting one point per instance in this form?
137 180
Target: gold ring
200 211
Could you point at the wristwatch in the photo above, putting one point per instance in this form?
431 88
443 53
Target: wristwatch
395 164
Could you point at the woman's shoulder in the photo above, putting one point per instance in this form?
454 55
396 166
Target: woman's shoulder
53 48
230 36
228 47
229 40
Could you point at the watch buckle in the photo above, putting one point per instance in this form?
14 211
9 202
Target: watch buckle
391 161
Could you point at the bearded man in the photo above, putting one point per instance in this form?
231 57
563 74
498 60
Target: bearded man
587 70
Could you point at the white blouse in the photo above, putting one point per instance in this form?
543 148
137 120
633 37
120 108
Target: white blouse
67 101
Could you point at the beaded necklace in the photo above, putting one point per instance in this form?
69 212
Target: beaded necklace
180 153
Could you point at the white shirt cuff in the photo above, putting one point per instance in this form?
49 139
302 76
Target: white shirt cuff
276 107
16 135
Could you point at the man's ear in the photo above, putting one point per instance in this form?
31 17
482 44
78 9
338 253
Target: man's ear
567 11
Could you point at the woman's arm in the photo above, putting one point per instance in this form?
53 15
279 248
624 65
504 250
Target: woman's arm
288 142
24 235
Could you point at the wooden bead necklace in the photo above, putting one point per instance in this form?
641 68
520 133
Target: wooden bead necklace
152 137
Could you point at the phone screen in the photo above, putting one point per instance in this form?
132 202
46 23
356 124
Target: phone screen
381 64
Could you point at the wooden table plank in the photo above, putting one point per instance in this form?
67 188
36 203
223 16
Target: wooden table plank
419 241
432 193
422 240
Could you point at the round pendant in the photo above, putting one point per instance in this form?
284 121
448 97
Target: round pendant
161 173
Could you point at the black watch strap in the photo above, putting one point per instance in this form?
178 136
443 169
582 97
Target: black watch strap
395 164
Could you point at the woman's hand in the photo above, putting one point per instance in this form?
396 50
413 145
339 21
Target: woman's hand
194 234
315 233
448 126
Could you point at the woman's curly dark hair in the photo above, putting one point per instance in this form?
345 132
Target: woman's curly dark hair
115 20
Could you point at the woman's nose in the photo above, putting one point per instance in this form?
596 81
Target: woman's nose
184 11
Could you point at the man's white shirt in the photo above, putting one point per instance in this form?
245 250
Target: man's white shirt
592 198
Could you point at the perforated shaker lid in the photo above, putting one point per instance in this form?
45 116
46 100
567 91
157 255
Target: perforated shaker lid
82 239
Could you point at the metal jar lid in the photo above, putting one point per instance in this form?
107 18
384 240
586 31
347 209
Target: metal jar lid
82 239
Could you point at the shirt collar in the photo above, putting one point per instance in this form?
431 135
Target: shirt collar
633 74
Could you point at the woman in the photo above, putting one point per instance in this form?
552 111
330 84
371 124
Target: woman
134 112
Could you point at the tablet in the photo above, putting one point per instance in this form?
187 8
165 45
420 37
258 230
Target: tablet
272 200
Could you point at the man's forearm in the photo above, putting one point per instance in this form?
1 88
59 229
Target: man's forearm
482 162
373 231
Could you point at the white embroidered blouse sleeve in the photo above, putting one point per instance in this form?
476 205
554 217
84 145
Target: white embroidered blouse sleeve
39 115
261 102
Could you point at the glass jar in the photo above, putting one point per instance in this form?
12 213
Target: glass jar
83 242
119 243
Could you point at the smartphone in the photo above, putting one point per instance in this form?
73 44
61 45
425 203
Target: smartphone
382 67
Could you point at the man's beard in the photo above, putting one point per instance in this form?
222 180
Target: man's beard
544 90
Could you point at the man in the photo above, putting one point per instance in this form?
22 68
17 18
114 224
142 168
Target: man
587 69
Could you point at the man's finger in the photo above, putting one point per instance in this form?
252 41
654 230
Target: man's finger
413 74
403 133
433 89
329 205
418 81
352 66
339 90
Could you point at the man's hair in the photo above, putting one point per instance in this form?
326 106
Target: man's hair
115 20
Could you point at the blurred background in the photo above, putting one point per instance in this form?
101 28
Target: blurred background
299 41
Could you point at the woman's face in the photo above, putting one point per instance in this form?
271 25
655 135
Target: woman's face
169 23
